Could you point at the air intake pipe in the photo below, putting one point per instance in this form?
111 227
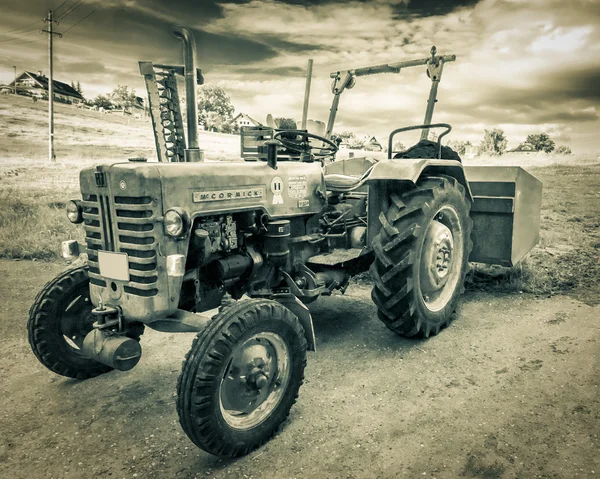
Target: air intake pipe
193 152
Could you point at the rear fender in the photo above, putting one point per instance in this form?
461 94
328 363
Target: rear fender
390 176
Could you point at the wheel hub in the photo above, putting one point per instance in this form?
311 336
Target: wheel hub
251 387
436 261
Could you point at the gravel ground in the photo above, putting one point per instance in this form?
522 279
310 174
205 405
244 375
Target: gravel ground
510 390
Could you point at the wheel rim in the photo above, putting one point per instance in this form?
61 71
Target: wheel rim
255 380
74 314
441 258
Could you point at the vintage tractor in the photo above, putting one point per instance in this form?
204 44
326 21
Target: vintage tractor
170 241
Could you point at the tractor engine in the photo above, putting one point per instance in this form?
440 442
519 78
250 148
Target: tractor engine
167 237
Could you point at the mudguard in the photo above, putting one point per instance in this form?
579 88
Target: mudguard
388 176
408 169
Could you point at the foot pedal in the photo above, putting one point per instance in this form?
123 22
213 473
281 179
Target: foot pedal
337 256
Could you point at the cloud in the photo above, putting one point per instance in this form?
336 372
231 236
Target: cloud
526 66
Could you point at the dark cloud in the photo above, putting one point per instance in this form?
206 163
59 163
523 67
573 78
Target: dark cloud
555 97
428 8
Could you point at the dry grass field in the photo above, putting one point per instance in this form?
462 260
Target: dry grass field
33 193
509 390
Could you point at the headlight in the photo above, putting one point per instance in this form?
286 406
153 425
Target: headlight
175 222
74 211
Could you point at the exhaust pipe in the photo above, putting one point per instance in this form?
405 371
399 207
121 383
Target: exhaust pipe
193 152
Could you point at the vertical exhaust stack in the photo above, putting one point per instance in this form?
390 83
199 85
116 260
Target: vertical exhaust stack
192 152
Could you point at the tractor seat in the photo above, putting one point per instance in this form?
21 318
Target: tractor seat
343 174
336 181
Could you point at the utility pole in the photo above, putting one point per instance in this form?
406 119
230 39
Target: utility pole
15 67
306 94
51 34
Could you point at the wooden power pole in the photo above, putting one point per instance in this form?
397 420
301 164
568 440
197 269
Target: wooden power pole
51 34
306 94
15 67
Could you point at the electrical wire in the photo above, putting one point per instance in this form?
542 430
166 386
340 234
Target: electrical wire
73 26
21 36
59 7
21 28
71 9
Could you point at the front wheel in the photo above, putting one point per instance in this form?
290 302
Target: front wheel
59 319
241 377
421 256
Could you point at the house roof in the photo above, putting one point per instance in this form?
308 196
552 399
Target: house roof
245 116
60 88
371 139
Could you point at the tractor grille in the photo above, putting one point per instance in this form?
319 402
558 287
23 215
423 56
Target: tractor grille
127 225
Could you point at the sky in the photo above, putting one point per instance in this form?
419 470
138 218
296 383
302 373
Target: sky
525 66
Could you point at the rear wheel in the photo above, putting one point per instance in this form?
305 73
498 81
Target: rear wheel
421 257
241 377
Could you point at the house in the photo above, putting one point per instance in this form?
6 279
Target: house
371 144
523 149
244 120
36 85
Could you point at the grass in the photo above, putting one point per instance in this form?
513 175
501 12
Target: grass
33 193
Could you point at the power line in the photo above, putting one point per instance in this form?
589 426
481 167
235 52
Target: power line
21 28
21 36
71 9
88 15
59 7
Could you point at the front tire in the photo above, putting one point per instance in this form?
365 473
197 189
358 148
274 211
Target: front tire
421 257
241 377
59 320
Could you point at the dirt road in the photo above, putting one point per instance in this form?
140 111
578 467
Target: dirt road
510 390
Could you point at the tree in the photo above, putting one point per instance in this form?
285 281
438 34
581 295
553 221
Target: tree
78 88
541 142
398 146
102 101
562 150
350 139
493 143
215 109
460 146
123 97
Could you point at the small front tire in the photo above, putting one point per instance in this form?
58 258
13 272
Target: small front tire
59 319
241 377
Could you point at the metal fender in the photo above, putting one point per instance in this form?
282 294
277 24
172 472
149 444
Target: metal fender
409 169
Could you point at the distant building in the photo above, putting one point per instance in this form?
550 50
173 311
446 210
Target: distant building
371 144
523 148
244 120
32 84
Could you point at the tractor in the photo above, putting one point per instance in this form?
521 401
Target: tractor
235 252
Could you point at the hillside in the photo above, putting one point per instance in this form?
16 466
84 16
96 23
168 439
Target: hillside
86 135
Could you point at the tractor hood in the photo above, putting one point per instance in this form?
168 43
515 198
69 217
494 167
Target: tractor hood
204 188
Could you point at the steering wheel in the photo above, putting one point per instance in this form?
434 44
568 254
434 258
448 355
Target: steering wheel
304 145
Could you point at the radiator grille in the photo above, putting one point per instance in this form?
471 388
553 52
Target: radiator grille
123 224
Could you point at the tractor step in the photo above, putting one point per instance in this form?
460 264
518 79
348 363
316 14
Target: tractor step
337 256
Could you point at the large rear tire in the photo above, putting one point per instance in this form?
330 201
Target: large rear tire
59 320
421 256
241 377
